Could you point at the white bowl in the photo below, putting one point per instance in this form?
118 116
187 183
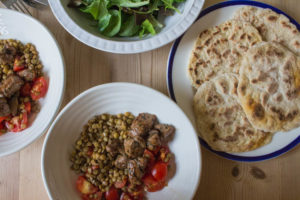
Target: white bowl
81 28
15 25
114 98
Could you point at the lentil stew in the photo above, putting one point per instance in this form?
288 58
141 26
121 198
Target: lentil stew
22 84
121 156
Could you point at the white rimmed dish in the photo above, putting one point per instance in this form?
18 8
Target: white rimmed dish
80 27
15 25
114 98
181 91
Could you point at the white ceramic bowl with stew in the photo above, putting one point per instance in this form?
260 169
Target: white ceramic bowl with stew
85 30
15 25
114 98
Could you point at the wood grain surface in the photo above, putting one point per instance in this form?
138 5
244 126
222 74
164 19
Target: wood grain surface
20 173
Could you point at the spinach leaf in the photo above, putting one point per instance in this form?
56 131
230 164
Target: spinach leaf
152 7
169 5
157 25
147 27
104 15
93 9
129 27
129 3
114 25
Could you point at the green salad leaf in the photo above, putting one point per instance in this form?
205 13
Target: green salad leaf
129 27
93 9
129 3
147 27
104 15
169 5
114 25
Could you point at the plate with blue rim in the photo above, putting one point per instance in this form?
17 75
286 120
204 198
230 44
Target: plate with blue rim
181 91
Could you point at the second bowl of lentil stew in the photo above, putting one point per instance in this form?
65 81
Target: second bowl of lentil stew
121 141
31 72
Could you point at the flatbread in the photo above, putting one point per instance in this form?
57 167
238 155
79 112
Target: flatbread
219 50
221 120
269 87
272 26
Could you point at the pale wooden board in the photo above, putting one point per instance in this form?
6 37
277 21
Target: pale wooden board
20 174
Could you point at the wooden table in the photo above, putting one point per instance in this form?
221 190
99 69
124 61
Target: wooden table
20 173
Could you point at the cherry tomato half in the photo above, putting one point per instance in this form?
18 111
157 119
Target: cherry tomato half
39 88
28 107
159 171
18 65
85 187
112 194
151 159
152 185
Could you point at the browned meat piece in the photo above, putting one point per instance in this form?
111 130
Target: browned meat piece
27 74
167 131
143 123
113 147
4 108
153 140
11 85
7 54
134 147
121 162
136 170
13 104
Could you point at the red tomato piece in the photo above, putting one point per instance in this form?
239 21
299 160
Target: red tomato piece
39 88
25 90
28 107
150 156
160 171
112 194
120 184
125 196
152 185
18 65
85 187
18 123
3 118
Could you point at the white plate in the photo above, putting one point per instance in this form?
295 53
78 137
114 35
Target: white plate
15 25
116 98
81 28
181 91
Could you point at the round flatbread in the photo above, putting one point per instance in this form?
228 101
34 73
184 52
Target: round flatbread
272 26
221 120
219 50
269 87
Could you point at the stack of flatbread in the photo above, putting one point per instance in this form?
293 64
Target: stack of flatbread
247 75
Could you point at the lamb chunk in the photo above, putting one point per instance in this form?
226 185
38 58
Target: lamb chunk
134 147
143 123
113 147
167 131
4 107
27 74
7 54
153 140
121 162
11 85
136 170
13 104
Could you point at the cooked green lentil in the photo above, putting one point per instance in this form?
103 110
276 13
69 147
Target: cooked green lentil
90 156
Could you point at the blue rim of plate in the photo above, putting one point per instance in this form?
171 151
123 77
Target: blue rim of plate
172 95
